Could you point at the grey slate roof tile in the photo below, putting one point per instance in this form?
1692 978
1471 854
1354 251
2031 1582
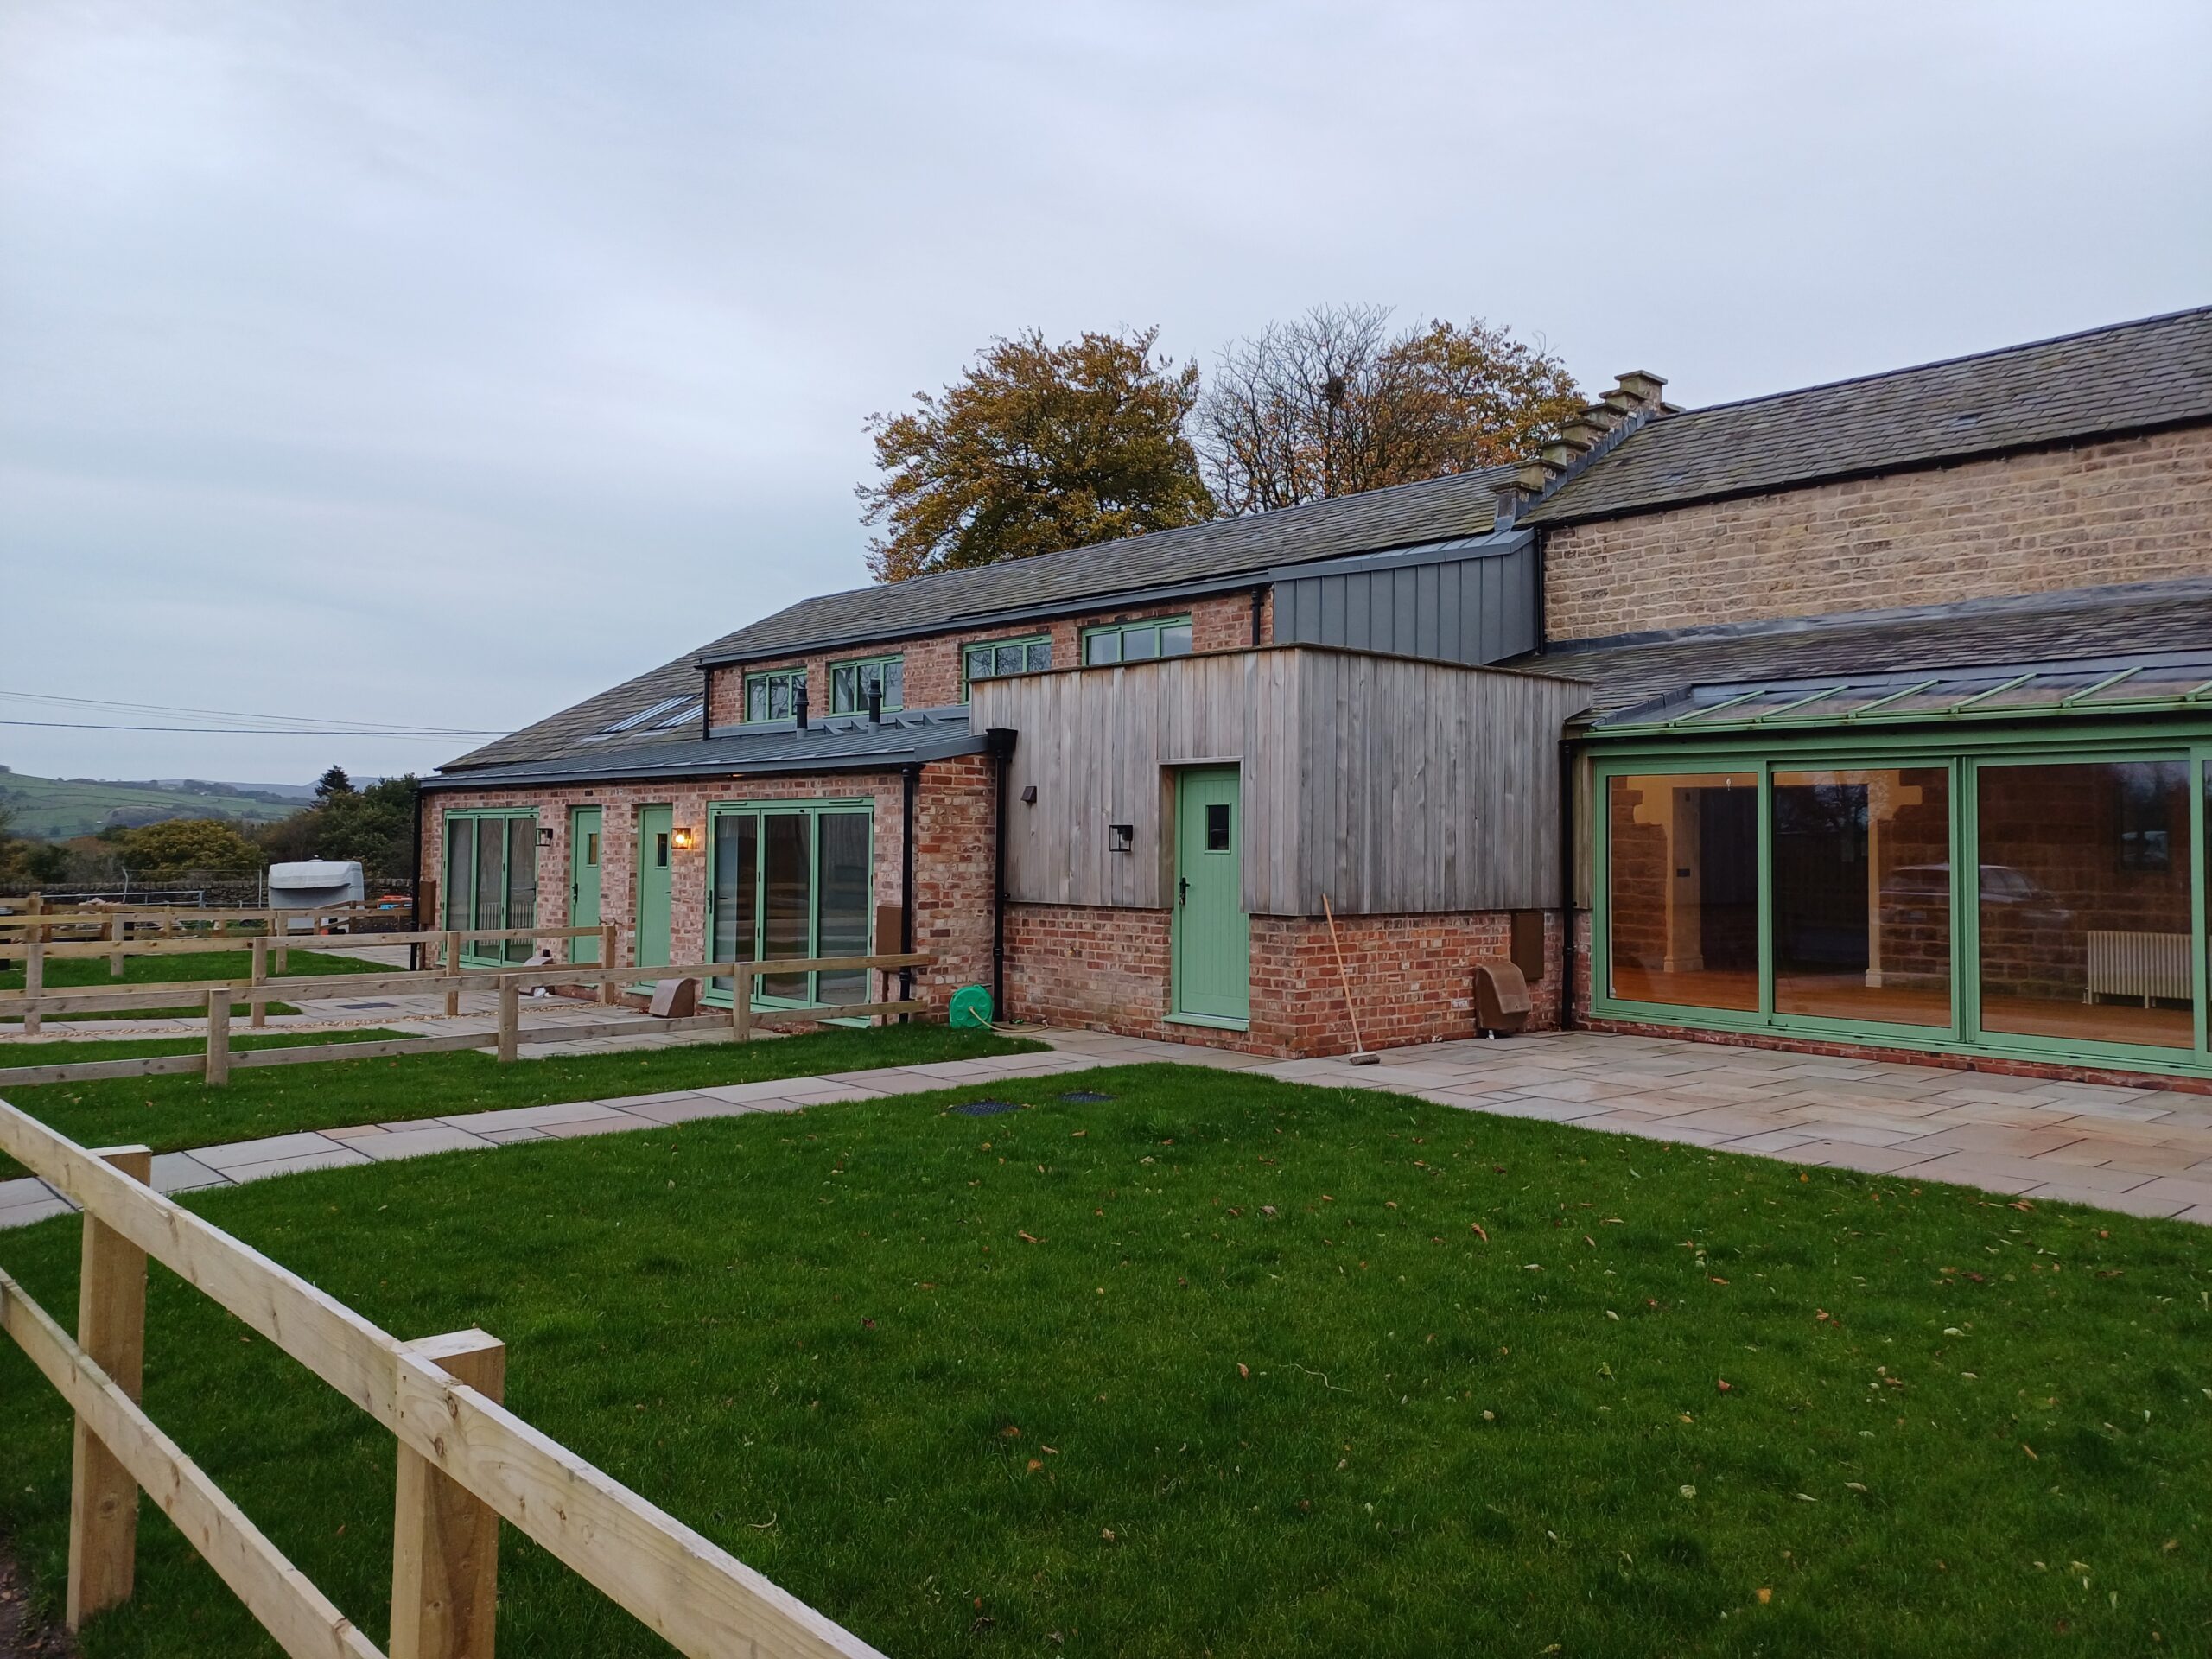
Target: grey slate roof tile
2122 378
2076 624
1218 551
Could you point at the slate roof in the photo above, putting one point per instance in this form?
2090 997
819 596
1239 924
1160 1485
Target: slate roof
2080 624
1218 551
842 745
2154 373
1210 553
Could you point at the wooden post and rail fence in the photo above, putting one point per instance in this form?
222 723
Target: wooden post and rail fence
464 1462
218 1059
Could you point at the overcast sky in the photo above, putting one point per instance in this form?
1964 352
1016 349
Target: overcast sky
439 365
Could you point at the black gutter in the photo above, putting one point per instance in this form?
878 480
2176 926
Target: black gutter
1567 885
414 888
910 789
1000 741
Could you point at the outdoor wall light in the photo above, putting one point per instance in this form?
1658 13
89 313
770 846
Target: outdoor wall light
684 841
546 835
1125 836
1029 794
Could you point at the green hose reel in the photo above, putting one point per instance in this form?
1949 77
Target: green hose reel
971 1009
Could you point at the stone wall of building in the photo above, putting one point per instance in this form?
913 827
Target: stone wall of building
933 665
2089 515
951 878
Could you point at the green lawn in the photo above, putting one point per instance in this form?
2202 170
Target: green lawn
168 1114
1223 1365
183 968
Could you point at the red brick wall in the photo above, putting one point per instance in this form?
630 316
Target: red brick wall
954 806
1109 969
1222 622
2127 510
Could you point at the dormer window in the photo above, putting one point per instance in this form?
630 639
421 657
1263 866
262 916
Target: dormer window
991 660
769 696
850 683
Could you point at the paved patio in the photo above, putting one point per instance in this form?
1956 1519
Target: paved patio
2144 1152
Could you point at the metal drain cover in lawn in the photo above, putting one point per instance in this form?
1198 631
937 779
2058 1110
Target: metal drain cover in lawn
1085 1098
986 1107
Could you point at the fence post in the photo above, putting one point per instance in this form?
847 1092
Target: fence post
118 930
34 977
510 1018
258 1002
445 1545
112 1330
452 967
740 1004
216 1073
609 942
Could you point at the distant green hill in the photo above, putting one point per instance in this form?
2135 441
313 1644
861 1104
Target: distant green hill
55 809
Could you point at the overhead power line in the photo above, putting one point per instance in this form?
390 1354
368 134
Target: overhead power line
271 725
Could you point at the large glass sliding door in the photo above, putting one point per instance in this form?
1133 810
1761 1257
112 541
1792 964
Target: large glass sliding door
1684 888
491 876
2039 900
2085 903
792 881
1862 893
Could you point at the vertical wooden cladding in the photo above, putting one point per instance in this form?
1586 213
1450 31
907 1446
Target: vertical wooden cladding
1394 786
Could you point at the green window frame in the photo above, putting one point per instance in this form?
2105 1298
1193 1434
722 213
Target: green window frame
770 693
1139 641
1963 758
850 682
491 879
755 850
992 659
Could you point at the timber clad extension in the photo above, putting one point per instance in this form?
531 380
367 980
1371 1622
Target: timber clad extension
1875 716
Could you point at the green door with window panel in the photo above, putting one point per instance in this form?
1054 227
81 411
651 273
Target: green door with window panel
656 883
1211 936
583 879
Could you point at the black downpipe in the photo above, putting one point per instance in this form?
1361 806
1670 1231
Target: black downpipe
1259 607
414 891
1566 885
1001 739
914 784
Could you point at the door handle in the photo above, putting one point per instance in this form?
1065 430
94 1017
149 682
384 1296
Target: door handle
1183 889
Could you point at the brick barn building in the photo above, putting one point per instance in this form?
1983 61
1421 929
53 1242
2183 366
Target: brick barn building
1875 715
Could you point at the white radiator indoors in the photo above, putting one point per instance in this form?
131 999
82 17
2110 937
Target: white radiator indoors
2145 965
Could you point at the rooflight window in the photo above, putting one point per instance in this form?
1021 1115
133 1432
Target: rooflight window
631 723
683 716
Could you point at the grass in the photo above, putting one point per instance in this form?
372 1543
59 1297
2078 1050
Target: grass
1223 1365
171 1114
90 973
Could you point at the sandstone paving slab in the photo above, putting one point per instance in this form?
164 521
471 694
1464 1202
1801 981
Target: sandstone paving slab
419 1141
1851 1155
2020 1143
23 1192
2191 1193
180 1171
334 1156
532 1117
1990 1171
2131 1204
268 1149
1771 1142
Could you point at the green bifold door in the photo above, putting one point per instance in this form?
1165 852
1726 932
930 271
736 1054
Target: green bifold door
1210 935
656 883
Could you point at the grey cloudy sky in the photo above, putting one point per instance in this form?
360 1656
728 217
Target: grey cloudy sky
439 365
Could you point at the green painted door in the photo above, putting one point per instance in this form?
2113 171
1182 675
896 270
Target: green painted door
1211 936
583 879
656 883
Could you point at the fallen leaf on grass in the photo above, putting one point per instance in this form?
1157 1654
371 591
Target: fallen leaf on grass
1242 1369
1027 1239
1479 1233
2031 1451
1726 1387
1765 1595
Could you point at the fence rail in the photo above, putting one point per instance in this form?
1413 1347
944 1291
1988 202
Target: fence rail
464 1461
217 1059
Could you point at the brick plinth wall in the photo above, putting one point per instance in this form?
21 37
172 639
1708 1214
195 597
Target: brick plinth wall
2084 516
2055 1071
952 877
1412 976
